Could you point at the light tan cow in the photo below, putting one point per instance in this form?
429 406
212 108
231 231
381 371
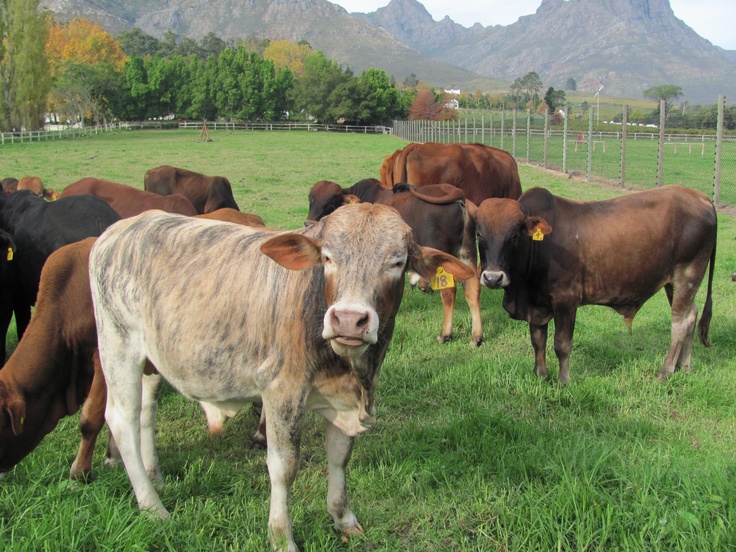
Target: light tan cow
229 315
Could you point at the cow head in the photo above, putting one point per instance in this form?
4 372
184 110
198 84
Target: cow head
324 198
364 249
503 232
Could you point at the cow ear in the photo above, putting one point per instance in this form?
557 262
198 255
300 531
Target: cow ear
425 261
17 412
537 227
350 199
292 251
14 407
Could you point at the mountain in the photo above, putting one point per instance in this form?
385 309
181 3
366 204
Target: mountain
626 45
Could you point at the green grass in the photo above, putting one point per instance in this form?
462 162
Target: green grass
470 452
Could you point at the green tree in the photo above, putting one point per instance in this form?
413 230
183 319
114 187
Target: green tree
311 93
25 78
554 99
83 91
666 93
137 43
571 84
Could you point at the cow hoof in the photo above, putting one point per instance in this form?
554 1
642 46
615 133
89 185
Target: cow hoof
80 476
112 463
356 529
476 342
259 443
444 338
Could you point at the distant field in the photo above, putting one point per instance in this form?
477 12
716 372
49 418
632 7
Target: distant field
471 452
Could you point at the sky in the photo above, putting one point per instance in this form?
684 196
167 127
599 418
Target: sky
712 19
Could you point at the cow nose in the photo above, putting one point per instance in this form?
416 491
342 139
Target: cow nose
492 279
350 323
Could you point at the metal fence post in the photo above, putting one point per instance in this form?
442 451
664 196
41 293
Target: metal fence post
660 154
546 136
624 128
528 133
589 171
564 141
719 150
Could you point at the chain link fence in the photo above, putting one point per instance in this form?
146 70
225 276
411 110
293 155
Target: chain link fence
633 157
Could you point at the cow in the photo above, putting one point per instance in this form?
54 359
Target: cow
207 193
38 228
9 184
438 217
174 289
8 285
127 200
551 255
36 185
56 364
480 171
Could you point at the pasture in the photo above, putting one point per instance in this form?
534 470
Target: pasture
470 452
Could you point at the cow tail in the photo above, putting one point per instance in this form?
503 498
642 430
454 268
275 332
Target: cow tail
708 307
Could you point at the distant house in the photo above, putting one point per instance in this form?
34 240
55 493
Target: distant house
452 103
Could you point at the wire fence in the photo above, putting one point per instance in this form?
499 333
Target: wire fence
633 157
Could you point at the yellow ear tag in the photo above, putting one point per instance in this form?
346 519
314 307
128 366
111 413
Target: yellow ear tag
22 421
538 236
351 201
442 279
10 253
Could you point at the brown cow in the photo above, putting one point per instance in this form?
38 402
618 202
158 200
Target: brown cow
55 366
36 185
128 201
479 171
551 255
207 193
438 217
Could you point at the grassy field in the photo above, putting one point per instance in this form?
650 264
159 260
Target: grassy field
470 452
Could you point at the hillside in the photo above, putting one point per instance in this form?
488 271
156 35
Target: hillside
626 45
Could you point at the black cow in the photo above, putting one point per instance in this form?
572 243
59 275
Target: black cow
38 228
551 255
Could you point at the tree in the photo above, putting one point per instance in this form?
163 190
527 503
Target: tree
311 93
25 78
284 53
427 106
666 93
81 41
554 99
571 84
137 43
411 81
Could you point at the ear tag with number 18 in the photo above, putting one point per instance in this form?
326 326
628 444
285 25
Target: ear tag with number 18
442 279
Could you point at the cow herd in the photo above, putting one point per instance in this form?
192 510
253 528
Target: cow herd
121 278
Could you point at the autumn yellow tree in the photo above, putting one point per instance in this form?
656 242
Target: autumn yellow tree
288 54
81 41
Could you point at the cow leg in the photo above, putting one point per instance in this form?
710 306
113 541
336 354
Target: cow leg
448 311
6 314
681 344
339 448
564 329
152 385
90 423
538 335
472 296
123 414
284 419
113 458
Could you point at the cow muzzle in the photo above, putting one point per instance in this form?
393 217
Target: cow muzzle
350 329
494 279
